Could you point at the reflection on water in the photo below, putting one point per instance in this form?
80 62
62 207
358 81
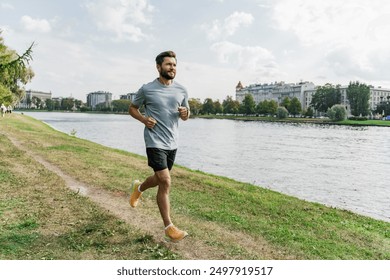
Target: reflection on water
342 166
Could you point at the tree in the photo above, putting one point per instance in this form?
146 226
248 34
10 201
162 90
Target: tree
262 107
195 106
6 96
103 107
281 113
325 97
248 105
67 104
337 112
230 106
14 72
272 107
295 107
218 109
208 106
78 103
36 102
359 95
309 112
49 104
285 102
121 105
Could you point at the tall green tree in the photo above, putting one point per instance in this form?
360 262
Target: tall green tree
67 103
195 106
325 97
262 107
285 102
230 106
358 96
49 104
248 105
295 107
272 107
218 109
14 72
208 106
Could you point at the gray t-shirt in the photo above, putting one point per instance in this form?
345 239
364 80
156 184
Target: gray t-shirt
162 103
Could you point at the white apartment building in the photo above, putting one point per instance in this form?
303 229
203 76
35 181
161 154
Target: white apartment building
99 97
129 96
276 91
26 102
304 92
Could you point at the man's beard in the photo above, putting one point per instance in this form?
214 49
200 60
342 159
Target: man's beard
165 75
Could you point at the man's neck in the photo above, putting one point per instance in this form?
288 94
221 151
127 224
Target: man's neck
164 81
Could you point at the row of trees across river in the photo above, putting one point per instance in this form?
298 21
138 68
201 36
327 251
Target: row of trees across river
324 99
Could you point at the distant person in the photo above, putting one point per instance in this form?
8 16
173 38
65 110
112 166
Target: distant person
9 109
3 110
165 102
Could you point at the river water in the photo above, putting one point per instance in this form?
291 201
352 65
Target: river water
341 166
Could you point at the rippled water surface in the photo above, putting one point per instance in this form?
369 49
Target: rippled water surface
341 166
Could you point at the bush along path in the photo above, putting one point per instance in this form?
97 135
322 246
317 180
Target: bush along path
226 219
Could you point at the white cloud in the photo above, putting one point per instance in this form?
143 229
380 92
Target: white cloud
38 25
351 36
122 17
255 61
229 26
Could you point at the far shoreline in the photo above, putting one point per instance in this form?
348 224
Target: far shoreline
325 121
319 121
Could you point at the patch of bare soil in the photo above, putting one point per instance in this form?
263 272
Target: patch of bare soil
195 246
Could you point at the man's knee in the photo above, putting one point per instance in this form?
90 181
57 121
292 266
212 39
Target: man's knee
164 178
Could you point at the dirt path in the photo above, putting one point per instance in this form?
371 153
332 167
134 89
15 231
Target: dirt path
190 248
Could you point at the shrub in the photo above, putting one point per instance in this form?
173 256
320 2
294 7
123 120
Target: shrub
353 118
337 113
281 113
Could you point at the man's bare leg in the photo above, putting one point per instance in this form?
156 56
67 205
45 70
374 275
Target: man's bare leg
164 184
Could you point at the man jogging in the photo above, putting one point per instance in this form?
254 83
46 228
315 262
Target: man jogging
165 102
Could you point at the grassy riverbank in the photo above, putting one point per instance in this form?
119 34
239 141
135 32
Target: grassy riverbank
40 218
298 120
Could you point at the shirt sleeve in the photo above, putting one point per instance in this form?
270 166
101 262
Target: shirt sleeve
139 98
185 100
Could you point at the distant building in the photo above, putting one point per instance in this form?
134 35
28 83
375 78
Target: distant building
304 91
129 96
99 97
377 95
32 97
275 91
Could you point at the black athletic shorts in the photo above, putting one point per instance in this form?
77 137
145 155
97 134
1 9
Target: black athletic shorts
160 159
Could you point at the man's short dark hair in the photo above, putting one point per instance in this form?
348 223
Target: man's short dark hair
161 56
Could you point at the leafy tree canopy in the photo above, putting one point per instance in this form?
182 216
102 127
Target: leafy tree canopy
325 97
359 95
14 73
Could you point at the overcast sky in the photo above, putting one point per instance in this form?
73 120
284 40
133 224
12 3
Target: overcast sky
84 46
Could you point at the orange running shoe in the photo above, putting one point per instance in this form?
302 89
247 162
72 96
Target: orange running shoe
136 194
174 234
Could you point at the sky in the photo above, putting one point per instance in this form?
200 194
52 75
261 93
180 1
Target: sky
110 45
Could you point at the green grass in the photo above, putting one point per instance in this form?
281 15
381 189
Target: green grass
366 123
41 219
292 227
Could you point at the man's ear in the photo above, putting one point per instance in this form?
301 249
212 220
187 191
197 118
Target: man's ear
158 66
